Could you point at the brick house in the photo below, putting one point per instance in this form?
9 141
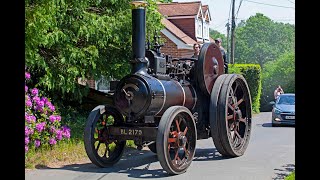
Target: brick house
185 24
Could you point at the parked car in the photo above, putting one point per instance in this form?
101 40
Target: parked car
283 110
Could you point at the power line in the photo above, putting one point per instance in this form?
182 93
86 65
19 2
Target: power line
290 1
239 8
230 9
221 24
270 4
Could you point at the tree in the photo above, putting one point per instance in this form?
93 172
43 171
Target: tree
279 72
66 40
216 34
259 40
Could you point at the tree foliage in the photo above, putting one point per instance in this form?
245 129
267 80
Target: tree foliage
279 72
216 34
259 40
70 39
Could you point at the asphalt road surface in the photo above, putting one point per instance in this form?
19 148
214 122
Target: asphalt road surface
270 155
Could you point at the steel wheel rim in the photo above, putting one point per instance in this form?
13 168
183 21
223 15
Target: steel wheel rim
181 142
105 149
238 115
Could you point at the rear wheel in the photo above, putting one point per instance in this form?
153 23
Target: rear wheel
176 140
230 115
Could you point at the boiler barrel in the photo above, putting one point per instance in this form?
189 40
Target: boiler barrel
178 94
139 95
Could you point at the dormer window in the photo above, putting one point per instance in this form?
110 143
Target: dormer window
205 30
199 28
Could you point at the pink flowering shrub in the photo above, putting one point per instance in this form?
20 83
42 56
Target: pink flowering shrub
42 121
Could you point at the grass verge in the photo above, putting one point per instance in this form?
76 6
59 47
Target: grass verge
291 176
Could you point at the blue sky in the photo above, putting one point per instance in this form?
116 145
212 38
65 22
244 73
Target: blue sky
277 10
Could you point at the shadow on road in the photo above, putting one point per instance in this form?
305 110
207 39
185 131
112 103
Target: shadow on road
284 171
270 125
132 159
208 154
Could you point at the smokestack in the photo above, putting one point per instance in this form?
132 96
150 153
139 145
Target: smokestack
139 63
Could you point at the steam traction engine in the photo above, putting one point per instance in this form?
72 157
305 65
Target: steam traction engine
168 104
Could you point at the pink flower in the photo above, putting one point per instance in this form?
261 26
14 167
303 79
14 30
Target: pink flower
36 99
52 108
66 132
59 134
27 75
26 140
52 118
40 126
28 103
37 143
58 118
52 141
34 91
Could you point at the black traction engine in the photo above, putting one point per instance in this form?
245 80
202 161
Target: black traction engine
167 104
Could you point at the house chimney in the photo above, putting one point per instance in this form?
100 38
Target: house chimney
139 62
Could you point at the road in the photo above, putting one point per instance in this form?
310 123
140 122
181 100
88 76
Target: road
270 155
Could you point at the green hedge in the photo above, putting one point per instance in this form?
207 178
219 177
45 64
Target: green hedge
252 73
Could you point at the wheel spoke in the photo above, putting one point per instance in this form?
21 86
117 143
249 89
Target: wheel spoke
242 120
105 152
231 107
230 117
97 148
237 134
185 150
232 95
178 126
176 155
185 131
240 101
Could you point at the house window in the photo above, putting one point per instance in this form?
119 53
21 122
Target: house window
199 28
205 31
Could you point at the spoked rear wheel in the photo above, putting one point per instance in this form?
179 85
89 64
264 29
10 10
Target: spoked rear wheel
101 150
176 140
230 115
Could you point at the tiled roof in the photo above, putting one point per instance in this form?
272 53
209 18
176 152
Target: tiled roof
179 8
177 32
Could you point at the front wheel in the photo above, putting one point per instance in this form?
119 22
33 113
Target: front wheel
101 150
176 140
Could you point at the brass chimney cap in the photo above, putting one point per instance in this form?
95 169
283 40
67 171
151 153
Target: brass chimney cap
138 4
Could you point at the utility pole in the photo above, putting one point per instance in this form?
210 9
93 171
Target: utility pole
228 50
233 25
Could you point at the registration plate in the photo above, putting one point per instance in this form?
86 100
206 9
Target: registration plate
130 131
290 117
